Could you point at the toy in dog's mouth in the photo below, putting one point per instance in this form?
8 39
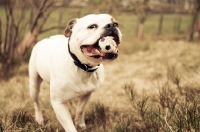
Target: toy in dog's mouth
96 51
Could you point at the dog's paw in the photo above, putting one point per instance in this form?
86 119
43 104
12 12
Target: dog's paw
39 119
82 126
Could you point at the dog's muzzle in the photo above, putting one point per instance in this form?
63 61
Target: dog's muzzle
111 30
95 51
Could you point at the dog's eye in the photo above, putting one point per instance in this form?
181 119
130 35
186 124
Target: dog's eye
92 26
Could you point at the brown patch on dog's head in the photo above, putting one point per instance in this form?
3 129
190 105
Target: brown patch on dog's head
68 30
113 20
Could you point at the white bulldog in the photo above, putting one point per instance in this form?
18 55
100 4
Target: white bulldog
72 65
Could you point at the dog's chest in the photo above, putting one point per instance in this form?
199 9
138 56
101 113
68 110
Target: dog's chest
87 83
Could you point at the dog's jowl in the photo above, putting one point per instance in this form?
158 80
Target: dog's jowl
72 65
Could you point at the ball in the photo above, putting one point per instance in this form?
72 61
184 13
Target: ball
107 44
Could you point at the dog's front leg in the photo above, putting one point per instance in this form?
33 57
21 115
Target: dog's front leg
63 116
80 111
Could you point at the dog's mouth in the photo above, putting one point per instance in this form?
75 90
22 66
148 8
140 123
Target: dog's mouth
96 52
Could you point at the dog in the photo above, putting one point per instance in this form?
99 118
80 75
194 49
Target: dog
72 65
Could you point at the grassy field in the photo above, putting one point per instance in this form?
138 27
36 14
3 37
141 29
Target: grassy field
153 86
156 89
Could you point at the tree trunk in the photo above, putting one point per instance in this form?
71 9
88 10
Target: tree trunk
175 24
179 23
198 29
28 41
15 44
141 31
141 27
192 28
194 21
160 24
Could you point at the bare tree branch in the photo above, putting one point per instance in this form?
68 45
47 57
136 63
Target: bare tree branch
34 3
18 36
39 15
48 5
7 26
31 18
16 40
1 44
45 18
0 34
12 26
194 20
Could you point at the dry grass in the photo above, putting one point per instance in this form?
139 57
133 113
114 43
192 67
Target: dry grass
147 67
152 86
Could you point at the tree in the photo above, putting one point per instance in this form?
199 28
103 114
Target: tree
179 7
194 20
141 8
24 21
160 23
105 6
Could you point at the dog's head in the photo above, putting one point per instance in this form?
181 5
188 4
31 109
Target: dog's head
86 33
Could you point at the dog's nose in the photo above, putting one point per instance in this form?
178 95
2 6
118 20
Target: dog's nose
111 25
107 47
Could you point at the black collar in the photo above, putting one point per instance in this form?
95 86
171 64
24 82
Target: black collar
77 62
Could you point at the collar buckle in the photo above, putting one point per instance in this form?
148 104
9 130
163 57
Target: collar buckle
91 69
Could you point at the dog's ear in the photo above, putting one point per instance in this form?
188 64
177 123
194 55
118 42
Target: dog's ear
113 20
68 30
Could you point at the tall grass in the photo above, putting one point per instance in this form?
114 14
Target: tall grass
174 108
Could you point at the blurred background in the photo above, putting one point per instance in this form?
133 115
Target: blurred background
23 23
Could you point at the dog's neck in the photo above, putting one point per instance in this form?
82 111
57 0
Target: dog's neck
78 63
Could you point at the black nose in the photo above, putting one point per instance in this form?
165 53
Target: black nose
111 25
111 30
107 47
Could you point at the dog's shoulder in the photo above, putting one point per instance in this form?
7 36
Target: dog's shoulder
59 36
52 45
52 41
